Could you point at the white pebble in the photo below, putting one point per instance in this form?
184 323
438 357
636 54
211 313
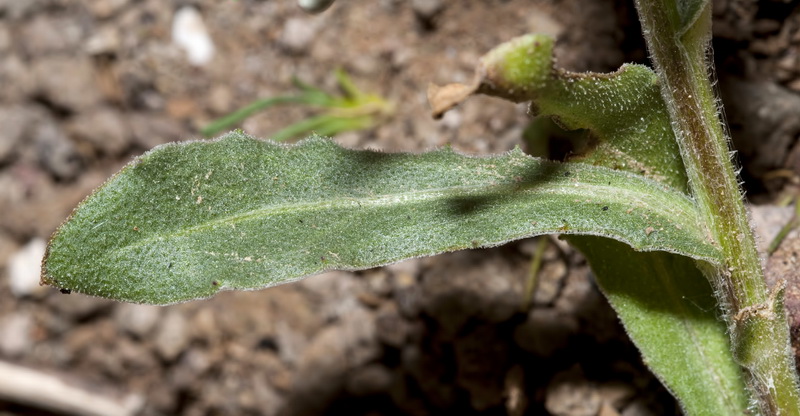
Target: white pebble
24 268
190 34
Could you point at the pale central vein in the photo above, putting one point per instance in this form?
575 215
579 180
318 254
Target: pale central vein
663 203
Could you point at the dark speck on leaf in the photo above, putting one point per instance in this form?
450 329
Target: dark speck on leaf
65 291
214 283
605 208
567 173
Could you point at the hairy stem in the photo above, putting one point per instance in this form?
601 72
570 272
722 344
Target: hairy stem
678 42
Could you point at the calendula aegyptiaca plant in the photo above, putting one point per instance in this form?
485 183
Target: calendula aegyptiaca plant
652 201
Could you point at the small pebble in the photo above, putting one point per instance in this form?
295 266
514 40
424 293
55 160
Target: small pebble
172 338
190 34
24 268
570 394
427 9
297 35
138 320
16 330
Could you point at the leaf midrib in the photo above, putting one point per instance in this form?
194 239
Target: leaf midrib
661 200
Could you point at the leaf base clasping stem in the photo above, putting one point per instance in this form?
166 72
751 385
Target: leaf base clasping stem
678 35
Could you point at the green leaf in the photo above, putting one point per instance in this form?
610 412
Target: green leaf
352 110
669 311
237 116
187 220
623 110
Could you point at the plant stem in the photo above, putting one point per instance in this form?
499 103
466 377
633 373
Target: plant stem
755 317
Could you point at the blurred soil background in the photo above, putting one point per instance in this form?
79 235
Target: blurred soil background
87 85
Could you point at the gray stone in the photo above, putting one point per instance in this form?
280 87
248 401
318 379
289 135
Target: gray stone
267 401
190 368
103 9
336 291
151 130
104 128
549 282
409 267
378 282
69 82
466 285
172 336
76 307
298 34
46 34
581 299
105 40
16 78
638 408
138 320
56 153
16 9
333 353
764 122
427 9
452 120
616 393
392 329
320 374
570 394
291 342
16 120
767 221
16 329
220 99
578 293
407 293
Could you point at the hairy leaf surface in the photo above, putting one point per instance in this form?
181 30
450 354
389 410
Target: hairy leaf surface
669 311
187 220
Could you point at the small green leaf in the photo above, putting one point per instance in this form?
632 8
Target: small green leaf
352 110
623 110
669 311
186 220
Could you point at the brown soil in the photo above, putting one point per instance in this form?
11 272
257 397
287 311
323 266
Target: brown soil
86 85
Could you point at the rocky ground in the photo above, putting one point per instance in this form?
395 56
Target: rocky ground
86 85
